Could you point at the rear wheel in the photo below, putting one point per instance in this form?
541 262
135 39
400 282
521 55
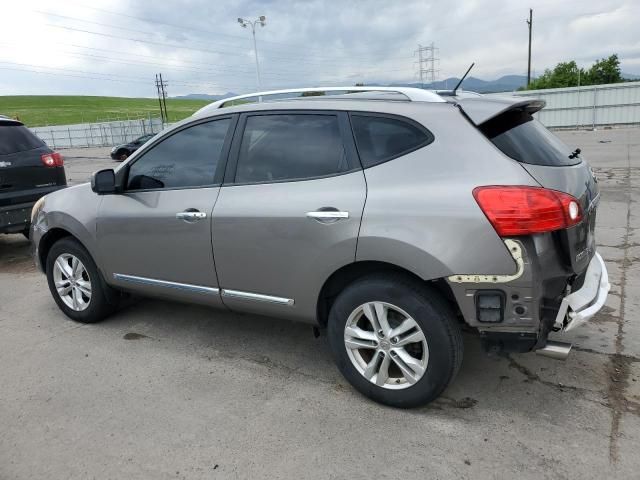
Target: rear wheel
75 283
395 340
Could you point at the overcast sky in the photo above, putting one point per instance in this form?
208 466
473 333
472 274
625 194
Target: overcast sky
115 47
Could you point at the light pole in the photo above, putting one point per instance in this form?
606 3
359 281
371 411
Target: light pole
262 21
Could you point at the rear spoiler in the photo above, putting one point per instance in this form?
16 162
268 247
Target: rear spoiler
482 109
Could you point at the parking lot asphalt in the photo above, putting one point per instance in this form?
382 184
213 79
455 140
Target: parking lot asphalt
165 390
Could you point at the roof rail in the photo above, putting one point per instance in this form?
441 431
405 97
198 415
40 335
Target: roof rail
411 94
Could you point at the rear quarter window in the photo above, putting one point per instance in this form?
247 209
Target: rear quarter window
382 138
520 136
17 138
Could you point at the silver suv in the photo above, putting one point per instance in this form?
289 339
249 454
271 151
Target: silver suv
392 218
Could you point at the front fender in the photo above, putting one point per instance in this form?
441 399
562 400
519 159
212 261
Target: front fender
73 210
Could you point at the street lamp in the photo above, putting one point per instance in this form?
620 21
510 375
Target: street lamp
262 21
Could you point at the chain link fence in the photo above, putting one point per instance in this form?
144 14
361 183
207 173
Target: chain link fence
102 134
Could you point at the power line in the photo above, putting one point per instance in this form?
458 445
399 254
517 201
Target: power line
272 54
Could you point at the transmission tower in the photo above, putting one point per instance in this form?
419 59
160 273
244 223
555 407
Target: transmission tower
427 63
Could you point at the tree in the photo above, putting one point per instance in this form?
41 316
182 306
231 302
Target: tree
568 74
606 70
565 74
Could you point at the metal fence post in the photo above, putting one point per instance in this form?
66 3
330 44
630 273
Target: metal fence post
594 107
70 141
53 140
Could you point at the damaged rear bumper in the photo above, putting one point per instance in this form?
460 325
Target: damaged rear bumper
578 307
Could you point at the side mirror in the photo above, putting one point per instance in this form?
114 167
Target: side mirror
104 182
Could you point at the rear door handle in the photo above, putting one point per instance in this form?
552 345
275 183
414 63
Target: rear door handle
191 216
328 216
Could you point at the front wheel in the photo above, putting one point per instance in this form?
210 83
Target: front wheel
395 340
75 283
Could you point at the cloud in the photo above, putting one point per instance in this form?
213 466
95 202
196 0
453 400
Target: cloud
115 47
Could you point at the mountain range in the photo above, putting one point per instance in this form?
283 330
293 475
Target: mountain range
506 83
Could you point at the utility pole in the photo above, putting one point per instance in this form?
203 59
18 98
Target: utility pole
162 98
530 23
427 63
159 99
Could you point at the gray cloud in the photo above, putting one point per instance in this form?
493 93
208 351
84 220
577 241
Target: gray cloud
199 46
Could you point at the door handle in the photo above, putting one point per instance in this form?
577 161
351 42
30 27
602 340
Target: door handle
328 216
191 216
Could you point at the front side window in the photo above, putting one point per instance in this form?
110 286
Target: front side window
187 158
382 138
284 147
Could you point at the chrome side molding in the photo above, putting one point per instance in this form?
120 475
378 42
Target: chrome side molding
164 283
202 289
256 296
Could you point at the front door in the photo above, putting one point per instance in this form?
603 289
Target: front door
155 237
289 212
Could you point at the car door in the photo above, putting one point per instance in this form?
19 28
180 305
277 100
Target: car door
155 236
289 212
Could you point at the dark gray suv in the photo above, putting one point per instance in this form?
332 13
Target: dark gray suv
391 217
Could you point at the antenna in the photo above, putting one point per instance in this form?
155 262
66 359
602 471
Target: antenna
462 79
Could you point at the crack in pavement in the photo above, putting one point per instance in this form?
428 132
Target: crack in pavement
618 369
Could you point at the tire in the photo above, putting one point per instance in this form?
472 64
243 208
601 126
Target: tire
122 155
402 298
90 309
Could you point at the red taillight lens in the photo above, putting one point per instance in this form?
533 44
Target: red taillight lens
525 210
53 159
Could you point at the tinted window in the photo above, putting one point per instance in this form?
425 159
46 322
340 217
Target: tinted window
187 158
382 138
287 147
17 138
520 136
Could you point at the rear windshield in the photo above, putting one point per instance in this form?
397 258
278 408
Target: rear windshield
520 136
17 138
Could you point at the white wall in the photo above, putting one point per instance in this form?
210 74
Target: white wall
96 134
592 106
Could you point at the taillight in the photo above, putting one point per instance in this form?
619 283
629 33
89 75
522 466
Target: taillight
525 210
53 159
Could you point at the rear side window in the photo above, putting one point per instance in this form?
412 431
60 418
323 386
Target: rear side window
17 138
188 158
283 147
520 136
382 138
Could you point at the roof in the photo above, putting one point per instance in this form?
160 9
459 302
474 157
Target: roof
375 93
479 108
4 120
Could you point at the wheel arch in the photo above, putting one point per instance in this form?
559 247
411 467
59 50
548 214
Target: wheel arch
49 239
351 272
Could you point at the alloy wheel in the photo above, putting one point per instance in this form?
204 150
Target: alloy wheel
72 282
386 345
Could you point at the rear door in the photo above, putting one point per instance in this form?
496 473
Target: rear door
23 176
553 165
289 212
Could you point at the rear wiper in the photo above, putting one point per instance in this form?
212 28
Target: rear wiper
575 153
